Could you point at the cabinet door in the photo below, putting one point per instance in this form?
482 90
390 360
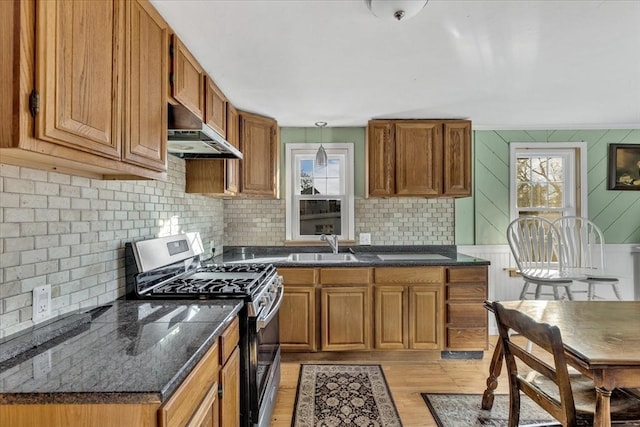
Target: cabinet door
208 413
425 317
259 145
215 107
381 159
230 396
298 319
457 158
79 74
345 318
147 37
232 167
418 158
390 304
188 79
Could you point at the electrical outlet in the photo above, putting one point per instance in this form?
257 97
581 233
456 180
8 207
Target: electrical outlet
41 364
365 238
41 303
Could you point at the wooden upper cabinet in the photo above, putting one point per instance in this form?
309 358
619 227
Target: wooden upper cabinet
188 79
79 67
421 158
418 157
457 158
232 167
259 143
381 157
86 87
215 107
147 37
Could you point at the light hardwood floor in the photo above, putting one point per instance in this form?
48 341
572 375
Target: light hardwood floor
407 378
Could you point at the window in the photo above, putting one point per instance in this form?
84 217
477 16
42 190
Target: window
319 199
547 179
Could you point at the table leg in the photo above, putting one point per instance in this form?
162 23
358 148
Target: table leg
602 416
494 373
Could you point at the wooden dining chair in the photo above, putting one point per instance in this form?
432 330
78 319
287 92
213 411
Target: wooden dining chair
570 399
535 243
584 250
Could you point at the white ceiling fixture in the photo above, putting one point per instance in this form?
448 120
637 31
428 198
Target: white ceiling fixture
400 10
504 64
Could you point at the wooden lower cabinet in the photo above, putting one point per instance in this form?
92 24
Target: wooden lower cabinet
384 308
208 396
408 317
298 312
409 308
466 318
298 332
390 305
425 317
230 391
345 314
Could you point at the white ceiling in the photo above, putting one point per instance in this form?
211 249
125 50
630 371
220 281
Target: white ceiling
506 64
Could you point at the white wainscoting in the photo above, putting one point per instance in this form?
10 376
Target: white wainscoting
502 287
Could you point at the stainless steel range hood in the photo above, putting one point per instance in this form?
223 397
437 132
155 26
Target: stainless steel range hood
190 138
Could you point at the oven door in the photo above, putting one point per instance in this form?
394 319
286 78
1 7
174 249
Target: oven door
265 361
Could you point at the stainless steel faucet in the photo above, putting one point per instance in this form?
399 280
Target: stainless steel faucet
332 240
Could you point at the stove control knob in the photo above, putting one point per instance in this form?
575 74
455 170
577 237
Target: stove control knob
263 301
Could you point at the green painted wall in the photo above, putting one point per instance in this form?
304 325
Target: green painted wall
483 218
315 135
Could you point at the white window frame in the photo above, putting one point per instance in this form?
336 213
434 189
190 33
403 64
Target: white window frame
292 220
574 188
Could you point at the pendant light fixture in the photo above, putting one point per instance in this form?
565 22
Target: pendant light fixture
321 155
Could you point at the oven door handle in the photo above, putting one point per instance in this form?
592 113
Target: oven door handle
264 321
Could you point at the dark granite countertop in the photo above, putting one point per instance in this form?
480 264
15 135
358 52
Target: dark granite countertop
127 351
367 256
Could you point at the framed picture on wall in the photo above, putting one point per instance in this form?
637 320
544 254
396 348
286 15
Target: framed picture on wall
624 167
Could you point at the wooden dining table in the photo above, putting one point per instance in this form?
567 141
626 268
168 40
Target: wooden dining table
601 340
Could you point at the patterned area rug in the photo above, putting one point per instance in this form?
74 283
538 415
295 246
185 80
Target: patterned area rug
463 410
339 395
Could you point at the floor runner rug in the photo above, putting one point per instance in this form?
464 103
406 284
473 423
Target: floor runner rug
339 395
463 410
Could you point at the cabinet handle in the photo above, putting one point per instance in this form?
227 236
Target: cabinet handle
220 391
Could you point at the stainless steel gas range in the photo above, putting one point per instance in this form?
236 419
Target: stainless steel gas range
172 267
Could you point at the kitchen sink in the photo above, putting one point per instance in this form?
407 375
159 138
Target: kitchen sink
321 257
412 257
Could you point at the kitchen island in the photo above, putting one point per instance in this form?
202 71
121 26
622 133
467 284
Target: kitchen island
117 363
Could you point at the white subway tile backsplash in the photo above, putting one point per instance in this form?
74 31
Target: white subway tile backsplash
81 225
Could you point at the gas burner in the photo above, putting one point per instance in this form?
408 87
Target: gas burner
234 268
225 286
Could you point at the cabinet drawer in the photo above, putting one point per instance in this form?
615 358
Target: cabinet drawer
472 314
299 276
466 274
467 338
229 340
472 291
408 275
184 402
345 276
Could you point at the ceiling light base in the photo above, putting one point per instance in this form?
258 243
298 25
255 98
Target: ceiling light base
398 10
